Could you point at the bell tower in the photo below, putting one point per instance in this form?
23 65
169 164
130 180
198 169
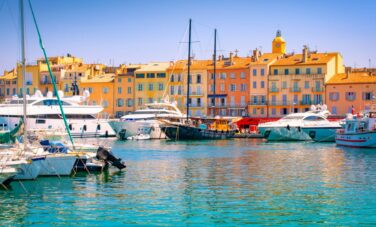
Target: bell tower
278 44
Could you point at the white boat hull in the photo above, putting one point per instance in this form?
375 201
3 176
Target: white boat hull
57 165
133 128
7 173
362 139
283 134
80 128
30 171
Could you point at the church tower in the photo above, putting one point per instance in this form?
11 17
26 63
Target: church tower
278 44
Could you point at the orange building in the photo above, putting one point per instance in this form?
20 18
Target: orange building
350 90
232 86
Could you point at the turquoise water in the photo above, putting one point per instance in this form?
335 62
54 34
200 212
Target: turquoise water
232 182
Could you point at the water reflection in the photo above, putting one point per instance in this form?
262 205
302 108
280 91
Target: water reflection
214 182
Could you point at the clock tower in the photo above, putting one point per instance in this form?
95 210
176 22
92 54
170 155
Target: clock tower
278 44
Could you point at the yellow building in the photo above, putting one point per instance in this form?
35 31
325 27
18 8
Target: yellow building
124 89
32 77
102 92
297 81
177 85
8 84
150 83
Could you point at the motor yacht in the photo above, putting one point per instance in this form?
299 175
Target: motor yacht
145 120
43 112
290 127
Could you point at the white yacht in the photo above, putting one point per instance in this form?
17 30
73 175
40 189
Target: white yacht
290 127
7 173
43 112
145 120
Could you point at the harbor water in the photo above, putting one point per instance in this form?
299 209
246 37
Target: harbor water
229 182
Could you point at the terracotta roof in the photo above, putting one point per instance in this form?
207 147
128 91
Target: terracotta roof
266 58
313 59
103 78
352 78
195 65
153 67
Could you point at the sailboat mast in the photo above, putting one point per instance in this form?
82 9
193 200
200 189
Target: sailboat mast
189 66
214 64
23 62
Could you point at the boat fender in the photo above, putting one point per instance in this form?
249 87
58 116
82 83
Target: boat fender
106 133
298 128
288 127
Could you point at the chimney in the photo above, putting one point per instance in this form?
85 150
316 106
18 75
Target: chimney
305 53
256 54
231 56
220 58
348 73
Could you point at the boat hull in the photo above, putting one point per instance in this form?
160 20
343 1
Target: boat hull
127 129
57 165
30 171
283 134
80 128
7 174
363 139
182 132
322 134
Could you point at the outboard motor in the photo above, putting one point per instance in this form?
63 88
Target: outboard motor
107 156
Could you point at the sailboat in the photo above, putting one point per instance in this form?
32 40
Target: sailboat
190 129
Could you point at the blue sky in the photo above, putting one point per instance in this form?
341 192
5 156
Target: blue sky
140 31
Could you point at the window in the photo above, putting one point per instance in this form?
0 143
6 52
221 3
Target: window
172 90
262 72
317 99
319 71
161 75
105 90
172 78
151 87
350 96
223 76
120 102
179 77
150 75
14 91
129 102
255 99
274 98
274 111
119 90
232 75
66 88
180 91
119 80
254 111
139 100
254 84
284 99
308 71
140 75
129 80
297 71
286 71
232 87
367 95
262 84
296 99
275 71
212 76
140 87
306 100
198 78
129 90
105 103
212 87
306 84
333 96
243 87
334 110
262 111
199 102
242 75
160 86
150 100
284 84
222 87
263 99
254 72
8 91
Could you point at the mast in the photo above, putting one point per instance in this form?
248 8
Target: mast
23 62
215 64
189 66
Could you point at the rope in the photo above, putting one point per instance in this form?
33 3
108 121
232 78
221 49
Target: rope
50 73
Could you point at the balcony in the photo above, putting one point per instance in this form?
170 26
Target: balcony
305 103
273 90
317 89
258 103
295 89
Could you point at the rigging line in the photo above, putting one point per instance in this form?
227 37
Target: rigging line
51 75
180 47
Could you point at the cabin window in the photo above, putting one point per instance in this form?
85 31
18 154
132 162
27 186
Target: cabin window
98 127
85 128
70 127
40 121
